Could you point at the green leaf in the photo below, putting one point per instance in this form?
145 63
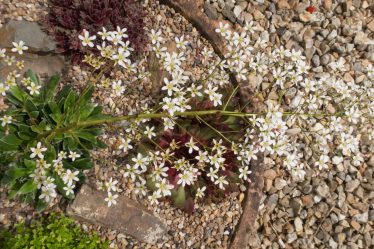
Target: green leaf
86 136
9 142
69 101
30 164
86 96
28 187
17 93
101 144
16 173
24 136
34 114
50 154
50 88
30 106
34 78
179 197
84 163
54 107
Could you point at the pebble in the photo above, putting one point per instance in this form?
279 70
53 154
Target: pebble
352 185
298 225
280 183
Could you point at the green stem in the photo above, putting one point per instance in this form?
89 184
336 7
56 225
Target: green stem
50 134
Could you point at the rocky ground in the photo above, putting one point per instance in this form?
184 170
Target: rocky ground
334 209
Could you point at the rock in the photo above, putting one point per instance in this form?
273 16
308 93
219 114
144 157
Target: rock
370 26
352 185
333 34
43 65
323 190
371 161
298 225
257 15
355 225
29 32
237 11
280 183
127 216
283 4
327 4
315 60
228 13
325 59
362 218
371 215
210 11
305 16
270 174
271 202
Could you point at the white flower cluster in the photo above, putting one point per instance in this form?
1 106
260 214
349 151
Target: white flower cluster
333 113
12 76
43 172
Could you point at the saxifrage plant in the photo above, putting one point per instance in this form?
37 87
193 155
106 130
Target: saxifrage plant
45 150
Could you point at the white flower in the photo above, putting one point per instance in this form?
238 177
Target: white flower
163 188
222 30
111 199
160 171
86 39
38 151
244 173
34 89
62 155
3 89
69 177
5 120
121 57
185 178
73 155
195 90
48 193
200 192
181 43
131 171
221 181
212 174
191 145
19 47
149 132
122 32
156 36
141 187
153 198
125 145
2 53
69 189
322 162
169 86
104 34
111 185
117 87
140 162
168 124
170 105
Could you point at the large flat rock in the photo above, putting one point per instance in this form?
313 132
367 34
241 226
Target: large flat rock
126 216
29 32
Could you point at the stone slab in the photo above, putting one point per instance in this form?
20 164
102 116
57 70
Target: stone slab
127 216
29 32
